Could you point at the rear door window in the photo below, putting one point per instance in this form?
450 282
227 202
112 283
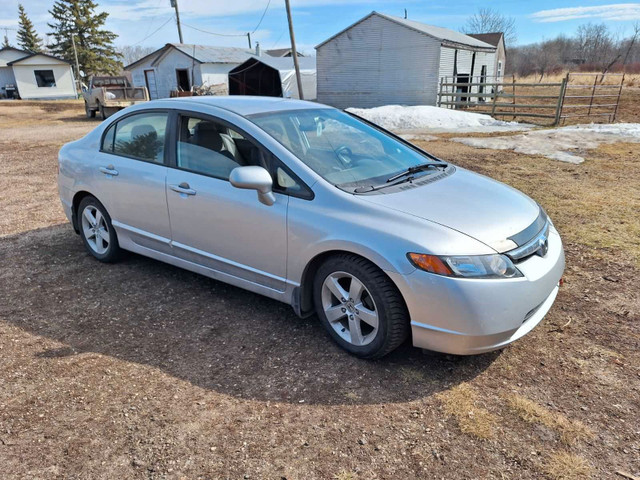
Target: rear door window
141 136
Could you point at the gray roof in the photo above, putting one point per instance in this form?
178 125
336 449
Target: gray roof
492 38
208 54
446 35
286 63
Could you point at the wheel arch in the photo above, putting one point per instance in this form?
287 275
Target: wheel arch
303 295
77 198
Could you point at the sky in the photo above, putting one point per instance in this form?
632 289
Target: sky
150 23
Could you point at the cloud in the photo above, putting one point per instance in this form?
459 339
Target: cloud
614 12
126 10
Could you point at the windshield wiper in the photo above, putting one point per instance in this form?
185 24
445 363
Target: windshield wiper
417 168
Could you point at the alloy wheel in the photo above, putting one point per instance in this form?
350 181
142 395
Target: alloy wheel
95 229
350 308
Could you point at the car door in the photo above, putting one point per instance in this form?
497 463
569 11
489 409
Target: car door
215 224
133 173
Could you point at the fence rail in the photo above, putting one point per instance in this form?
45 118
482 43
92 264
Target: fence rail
557 101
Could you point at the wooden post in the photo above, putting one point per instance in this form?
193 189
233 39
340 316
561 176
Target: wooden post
294 52
513 91
495 98
615 111
593 92
563 89
440 92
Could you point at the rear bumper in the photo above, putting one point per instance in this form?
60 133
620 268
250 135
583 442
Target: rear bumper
465 316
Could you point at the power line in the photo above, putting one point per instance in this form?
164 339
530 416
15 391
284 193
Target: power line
215 33
154 32
262 17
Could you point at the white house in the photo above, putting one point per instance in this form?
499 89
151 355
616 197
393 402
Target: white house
179 66
382 60
36 76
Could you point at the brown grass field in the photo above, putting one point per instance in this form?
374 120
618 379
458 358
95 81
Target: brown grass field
139 370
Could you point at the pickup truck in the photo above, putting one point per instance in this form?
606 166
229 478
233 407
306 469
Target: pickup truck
107 95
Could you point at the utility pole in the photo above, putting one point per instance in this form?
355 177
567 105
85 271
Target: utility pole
294 53
174 4
75 54
249 38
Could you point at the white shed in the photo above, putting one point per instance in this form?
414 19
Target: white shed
179 66
36 76
384 60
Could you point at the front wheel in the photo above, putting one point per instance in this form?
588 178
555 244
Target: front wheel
360 307
96 230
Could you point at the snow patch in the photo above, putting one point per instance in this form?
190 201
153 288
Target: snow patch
564 144
417 119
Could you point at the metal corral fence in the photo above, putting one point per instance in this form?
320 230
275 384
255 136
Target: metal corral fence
576 95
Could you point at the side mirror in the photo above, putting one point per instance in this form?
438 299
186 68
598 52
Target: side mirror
254 178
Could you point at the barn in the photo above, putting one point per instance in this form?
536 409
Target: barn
273 77
382 60
35 76
179 66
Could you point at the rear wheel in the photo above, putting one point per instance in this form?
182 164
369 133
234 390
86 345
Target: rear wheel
103 113
96 230
360 307
90 113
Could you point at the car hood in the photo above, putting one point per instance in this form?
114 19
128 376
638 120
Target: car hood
473 204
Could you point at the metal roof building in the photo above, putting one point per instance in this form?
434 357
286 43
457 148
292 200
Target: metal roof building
180 66
382 60
273 77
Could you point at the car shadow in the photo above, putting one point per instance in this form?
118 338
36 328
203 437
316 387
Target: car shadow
210 334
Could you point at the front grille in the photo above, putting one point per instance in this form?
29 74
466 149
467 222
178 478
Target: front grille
538 245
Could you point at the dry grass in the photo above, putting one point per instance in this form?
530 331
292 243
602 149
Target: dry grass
630 80
566 466
461 403
570 431
344 475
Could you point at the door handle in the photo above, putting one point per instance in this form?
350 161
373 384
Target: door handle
109 170
183 188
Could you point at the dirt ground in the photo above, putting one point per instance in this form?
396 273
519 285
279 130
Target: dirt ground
141 370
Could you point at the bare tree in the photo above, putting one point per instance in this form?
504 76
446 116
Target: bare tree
488 20
132 54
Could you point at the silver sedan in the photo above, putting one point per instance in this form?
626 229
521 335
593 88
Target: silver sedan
322 210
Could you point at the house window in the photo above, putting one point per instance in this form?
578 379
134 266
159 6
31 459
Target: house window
499 69
45 78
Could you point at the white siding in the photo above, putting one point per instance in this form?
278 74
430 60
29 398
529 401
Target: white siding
28 87
165 72
378 62
217 73
464 61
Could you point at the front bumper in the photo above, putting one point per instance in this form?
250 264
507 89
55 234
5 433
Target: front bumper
470 316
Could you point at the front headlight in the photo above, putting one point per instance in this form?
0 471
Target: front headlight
466 266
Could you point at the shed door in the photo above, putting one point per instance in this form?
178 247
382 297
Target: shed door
150 80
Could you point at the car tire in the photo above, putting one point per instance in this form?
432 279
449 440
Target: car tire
103 114
97 232
90 113
372 307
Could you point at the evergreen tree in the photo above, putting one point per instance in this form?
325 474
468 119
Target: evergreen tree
94 44
27 37
5 42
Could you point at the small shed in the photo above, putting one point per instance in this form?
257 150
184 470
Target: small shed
383 60
497 40
273 77
180 66
35 76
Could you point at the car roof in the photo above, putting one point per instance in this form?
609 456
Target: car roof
248 105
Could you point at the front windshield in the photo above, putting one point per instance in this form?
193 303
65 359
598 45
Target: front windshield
340 148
